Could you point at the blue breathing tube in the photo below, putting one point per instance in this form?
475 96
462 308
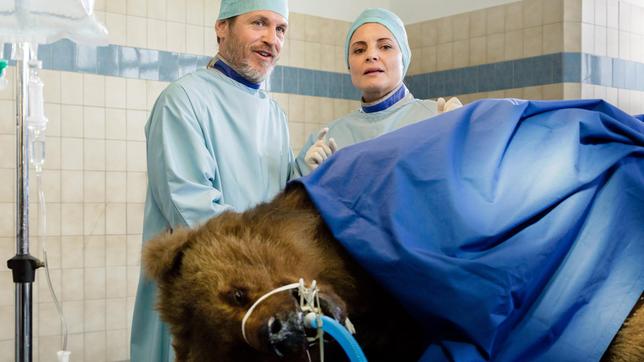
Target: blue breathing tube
340 334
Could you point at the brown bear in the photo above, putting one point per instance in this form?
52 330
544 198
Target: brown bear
209 277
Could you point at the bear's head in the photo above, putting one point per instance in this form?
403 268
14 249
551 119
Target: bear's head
210 276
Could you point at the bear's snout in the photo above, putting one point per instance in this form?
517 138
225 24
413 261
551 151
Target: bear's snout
285 333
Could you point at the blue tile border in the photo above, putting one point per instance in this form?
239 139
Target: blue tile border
148 64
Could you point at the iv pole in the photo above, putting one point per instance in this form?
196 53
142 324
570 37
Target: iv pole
23 265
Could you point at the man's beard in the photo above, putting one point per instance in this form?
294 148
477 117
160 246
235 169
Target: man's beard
237 60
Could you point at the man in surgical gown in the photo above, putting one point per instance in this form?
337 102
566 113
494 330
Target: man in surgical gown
377 54
215 141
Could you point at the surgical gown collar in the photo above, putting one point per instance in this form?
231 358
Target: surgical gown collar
386 101
220 65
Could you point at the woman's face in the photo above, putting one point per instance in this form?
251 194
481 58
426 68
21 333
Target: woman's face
375 61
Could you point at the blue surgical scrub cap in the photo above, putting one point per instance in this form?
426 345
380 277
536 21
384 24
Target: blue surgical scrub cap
390 21
230 8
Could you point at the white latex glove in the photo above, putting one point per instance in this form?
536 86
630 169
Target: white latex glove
450 105
320 150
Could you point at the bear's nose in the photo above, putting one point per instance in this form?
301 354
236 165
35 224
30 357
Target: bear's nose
286 333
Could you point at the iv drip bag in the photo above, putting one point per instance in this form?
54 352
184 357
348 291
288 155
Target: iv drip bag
47 21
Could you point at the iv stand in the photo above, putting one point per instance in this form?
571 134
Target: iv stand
23 265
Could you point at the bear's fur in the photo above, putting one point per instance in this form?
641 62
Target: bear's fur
209 277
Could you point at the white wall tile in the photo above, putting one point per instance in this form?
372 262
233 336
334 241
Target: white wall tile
115 92
8 182
116 318
600 46
513 16
7 117
429 33
495 48
117 26
136 94
73 290
7 314
612 14
176 10
95 254
513 45
135 125
137 32
601 12
138 7
211 11
532 41
444 56
115 246
116 6
136 158
588 11
115 219
495 18
116 155
72 153
134 218
71 219
72 83
8 151
553 38
94 182
133 250
48 319
133 273
117 345
157 9
52 111
72 252
71 121
94 218
116 282
94 155
445 33
95 349
194 12
94 93
552 11
51 80
194 39
136 186
116 187
115 124
95 311
94 122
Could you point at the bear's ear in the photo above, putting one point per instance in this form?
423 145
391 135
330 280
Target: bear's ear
162 255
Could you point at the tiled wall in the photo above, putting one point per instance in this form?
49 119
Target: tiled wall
534 49
98 100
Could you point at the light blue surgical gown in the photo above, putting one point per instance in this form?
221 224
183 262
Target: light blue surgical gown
396 110
212 144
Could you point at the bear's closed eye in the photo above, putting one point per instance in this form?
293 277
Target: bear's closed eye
238 296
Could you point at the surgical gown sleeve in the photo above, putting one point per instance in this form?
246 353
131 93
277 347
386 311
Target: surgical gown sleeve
182 171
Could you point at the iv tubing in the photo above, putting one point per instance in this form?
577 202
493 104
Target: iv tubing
340 334
42 226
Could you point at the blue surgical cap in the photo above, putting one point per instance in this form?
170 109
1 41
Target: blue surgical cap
230 8
390 21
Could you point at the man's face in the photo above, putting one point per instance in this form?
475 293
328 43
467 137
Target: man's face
252 42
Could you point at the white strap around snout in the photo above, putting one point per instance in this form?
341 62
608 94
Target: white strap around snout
261 299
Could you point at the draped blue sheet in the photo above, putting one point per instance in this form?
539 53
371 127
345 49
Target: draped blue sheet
512 230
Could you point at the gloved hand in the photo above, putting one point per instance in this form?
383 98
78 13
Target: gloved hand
320 150
452 104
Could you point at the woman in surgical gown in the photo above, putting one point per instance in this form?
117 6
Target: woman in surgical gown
377 54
